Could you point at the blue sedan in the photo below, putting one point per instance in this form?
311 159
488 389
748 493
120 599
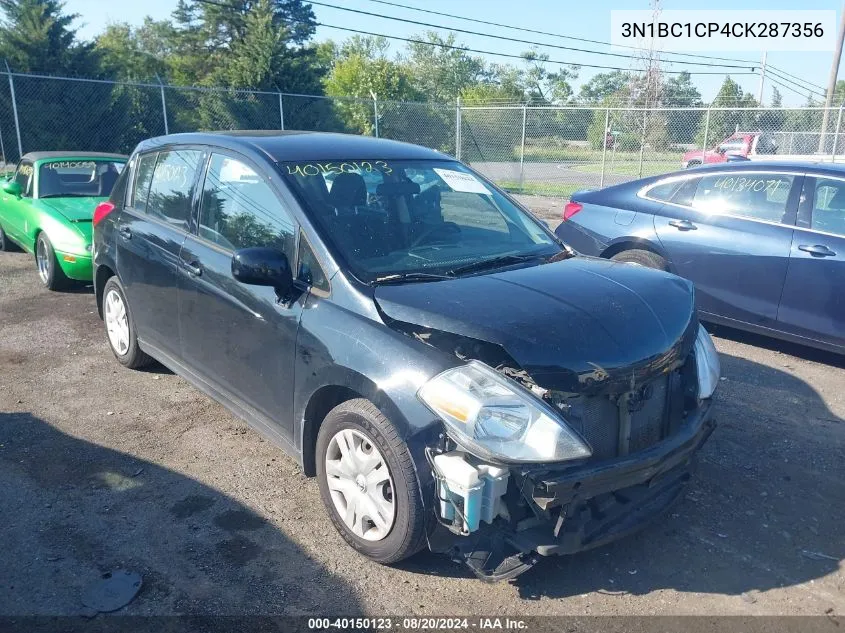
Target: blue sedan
764 242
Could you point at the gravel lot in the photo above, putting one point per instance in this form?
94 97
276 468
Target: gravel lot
105 468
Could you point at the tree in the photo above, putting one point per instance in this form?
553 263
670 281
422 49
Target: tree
37 36
680 92
724 122
134 53
604 85
543 86
439 71
361 69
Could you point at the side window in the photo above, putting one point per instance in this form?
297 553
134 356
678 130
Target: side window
240 210
309 268
829 206
143 177
664 191
732 145
755 196
172 186
23 176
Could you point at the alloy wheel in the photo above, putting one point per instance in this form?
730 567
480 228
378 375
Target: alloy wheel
42 260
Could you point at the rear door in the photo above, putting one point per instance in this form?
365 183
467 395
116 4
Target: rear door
813 303
730 233
238 337
150 232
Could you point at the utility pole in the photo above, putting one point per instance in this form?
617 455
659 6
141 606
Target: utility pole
762 79
831 81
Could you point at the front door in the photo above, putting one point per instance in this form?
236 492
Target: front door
730 233
813 303
150 232
15 210
239 338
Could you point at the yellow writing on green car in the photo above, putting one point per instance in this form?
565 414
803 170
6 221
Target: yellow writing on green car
346 167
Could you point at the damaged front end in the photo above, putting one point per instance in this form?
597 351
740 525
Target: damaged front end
622 456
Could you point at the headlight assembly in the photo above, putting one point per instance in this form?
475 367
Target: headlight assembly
496 419
706 363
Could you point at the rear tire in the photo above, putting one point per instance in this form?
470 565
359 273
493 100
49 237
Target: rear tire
360 419
693 163
120 328
643 258
49 271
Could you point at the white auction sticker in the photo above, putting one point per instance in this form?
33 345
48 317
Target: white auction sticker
724 30
460 181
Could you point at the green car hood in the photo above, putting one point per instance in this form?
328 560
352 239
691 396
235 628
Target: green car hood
73 209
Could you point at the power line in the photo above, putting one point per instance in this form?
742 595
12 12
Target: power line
537 32
513 39
771 72
801 79
791 89
483 52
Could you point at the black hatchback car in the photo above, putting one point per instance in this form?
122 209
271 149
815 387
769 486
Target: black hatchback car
453 374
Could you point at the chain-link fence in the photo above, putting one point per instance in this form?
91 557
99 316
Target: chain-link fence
531 149
558 150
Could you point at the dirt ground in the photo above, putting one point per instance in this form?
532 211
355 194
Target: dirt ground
103 468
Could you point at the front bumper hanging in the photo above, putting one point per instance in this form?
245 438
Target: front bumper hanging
581 507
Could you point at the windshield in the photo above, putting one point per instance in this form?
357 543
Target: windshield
400 218
78 178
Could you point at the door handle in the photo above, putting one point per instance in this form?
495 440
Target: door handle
683 225
125 232
192 267
816 250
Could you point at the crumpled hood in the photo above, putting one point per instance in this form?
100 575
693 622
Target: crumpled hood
72 208
582 325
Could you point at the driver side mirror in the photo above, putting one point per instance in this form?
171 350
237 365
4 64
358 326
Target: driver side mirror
261 266
13 188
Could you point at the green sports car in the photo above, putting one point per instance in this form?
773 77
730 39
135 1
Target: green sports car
47 205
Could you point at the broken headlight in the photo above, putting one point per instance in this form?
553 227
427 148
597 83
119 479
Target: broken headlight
706 364
494 418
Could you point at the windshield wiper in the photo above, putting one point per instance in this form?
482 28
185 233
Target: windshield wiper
494 262
411 276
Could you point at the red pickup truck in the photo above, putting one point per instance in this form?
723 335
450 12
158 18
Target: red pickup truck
741 144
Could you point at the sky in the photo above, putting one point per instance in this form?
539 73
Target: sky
565 17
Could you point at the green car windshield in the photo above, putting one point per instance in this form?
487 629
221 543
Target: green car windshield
415 219
78 178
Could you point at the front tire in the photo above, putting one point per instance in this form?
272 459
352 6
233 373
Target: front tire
49 271
693 163
643 258
120 328
368 483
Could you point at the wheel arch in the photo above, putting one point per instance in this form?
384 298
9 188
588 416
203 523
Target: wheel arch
635 243
102 274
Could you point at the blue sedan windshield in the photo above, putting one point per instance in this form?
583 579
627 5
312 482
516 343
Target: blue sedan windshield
402 217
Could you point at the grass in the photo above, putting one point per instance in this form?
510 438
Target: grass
571 154
540 189
630 167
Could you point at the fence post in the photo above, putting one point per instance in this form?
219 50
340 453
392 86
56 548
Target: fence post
604 144
375 111
835 134
281 113
522 147
642 144
14 108
163 105
706 132
458 128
